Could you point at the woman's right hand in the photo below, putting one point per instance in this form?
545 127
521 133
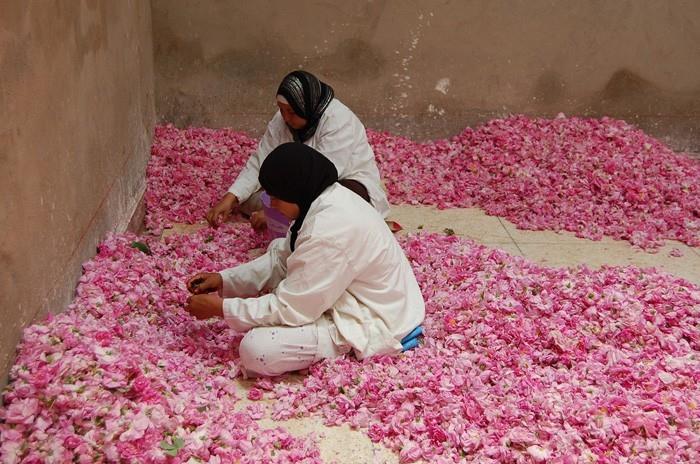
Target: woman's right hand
220 213
258 221
205 282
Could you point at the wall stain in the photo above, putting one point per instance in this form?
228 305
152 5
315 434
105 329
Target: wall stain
7 142
183 110
267 59
90 34
174 56
353 60
625 84
372 14
16 69
549 88
8 281
628 94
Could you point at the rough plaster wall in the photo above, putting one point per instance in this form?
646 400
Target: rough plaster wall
429 68
77 114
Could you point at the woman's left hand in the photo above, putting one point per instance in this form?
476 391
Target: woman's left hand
205 306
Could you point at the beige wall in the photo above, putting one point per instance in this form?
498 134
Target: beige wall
76 120
429 68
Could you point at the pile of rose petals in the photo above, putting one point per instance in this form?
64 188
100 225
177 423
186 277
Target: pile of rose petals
520 363
593 177
526 364
126 375
190 170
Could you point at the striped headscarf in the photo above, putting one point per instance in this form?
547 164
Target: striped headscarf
308 97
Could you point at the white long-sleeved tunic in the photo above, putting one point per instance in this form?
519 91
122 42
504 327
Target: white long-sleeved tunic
346 262
340 137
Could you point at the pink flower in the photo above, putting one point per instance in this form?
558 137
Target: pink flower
22 411
676 252
410 453
437 434
137 427
140 384
72 442
255 394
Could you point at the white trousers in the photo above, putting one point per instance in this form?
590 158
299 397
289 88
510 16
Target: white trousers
271 351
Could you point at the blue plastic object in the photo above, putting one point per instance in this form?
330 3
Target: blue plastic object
410 344
414 333
412 339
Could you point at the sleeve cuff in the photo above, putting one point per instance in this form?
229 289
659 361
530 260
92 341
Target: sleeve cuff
230 315
226 287
238 193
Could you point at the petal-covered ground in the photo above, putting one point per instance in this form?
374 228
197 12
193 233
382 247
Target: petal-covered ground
520 364
593 177
527 364
126 375
190 170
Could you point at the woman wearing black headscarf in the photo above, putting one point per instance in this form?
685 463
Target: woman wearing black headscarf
338 281
310 114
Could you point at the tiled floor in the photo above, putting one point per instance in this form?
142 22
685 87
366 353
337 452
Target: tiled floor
343 445
548 248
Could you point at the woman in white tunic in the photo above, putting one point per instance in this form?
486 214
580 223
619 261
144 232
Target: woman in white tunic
339 281
308 113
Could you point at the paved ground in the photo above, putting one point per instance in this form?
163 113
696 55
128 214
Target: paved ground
346 446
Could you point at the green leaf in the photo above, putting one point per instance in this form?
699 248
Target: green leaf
166 446
141 247
171 449
420 227
448 231
209 239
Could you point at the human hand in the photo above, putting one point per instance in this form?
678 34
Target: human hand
205 282
221 212
258 220
205 306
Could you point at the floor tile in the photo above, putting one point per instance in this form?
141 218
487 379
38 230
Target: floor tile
596 254
510 248
339 444
468 222
538 236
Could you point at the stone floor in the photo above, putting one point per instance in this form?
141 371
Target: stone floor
346 446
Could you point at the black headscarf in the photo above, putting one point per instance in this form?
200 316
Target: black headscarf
296 173
308 97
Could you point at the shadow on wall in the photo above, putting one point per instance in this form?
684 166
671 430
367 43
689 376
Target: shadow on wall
627 93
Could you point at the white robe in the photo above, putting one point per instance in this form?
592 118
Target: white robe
346 264
340 136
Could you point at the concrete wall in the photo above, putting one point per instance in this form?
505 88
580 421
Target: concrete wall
429 68
76 121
